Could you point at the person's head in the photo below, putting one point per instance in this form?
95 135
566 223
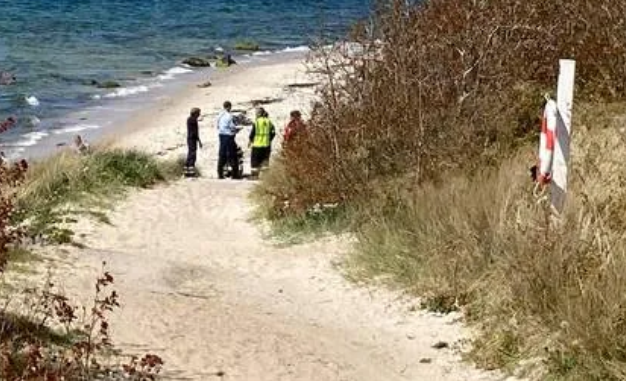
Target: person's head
260 112
295 115
228 106
195 112
78 140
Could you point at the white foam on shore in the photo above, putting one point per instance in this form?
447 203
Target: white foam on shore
34 121
76 128
32 100
296 49
31 138
171 73
263 53
128 91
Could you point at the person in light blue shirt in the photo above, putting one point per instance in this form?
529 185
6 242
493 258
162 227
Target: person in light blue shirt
225 121
227 131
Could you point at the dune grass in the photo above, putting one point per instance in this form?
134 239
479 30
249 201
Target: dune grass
541 292
66 185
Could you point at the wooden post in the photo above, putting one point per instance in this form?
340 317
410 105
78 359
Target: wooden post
561 161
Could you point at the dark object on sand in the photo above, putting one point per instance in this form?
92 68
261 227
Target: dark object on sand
266 101
534 173
190 172
241 120
225 61
205 85
228 170
301 85
197 62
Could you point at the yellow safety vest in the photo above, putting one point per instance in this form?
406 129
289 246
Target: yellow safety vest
262 130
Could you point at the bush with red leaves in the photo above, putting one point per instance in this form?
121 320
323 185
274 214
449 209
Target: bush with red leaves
26 356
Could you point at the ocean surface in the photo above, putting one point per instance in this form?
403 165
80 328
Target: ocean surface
57 49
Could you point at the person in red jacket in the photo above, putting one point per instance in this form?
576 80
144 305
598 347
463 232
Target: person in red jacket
295 126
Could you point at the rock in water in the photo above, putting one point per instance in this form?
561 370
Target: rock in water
7 78
247 46
108 85
197 62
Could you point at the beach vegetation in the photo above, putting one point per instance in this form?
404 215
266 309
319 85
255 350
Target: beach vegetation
55 191
422 140
45 337
42 334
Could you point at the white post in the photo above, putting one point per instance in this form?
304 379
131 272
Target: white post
565 100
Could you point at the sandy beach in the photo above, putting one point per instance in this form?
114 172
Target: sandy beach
160 129
202 286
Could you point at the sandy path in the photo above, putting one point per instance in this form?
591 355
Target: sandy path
203 289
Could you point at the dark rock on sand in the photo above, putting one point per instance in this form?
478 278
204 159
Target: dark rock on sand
302 85
205 85
197 62
266 101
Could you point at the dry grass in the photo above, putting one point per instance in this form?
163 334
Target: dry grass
429 92
419 139
537 289
64 185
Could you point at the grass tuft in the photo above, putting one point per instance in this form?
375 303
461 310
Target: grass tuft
66 185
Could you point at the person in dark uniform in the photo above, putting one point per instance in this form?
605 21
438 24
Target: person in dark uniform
193 141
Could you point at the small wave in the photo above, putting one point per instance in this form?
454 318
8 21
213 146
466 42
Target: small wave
296 49
127 91
76 128
30 139
262 53
169 74
32 121
32 100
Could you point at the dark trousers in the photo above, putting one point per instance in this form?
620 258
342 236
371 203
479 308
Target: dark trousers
192 149
228 154
260 156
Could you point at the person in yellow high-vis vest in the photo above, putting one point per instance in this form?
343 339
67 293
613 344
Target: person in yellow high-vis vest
261 137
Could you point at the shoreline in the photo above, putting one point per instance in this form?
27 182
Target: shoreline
160 128
125 116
